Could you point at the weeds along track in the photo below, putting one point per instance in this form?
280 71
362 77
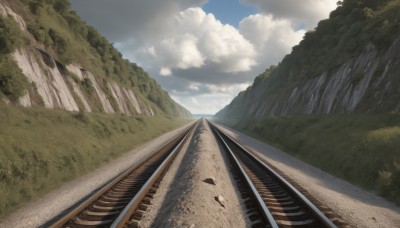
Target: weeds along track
122 202
270 200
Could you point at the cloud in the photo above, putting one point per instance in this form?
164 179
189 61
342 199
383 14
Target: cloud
130 20
201 62
198 40
272 37
306 12
165 71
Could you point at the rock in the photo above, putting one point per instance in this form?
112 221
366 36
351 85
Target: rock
210 180
220 200
192 226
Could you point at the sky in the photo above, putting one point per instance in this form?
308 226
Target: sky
204 52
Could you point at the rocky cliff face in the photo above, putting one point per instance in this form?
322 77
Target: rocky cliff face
369 82
58 90
72 87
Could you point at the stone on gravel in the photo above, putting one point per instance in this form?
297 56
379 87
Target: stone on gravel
220 200
210 180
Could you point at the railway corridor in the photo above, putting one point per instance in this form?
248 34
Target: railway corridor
201 177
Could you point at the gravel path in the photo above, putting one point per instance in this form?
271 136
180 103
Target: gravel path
358 207
46 208
185 200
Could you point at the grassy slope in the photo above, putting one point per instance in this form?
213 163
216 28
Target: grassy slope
41 149
363 149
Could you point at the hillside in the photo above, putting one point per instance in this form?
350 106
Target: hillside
349 63
334 100
50 58
69 102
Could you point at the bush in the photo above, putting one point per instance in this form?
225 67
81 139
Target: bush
34 6
10 35
58 41
38 33
13 83
61 6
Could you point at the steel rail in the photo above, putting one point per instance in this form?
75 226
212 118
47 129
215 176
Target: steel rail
261 204
320 216
61 222
125 215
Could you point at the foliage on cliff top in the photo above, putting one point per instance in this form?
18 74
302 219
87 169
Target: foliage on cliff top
353 25
63 34
12 81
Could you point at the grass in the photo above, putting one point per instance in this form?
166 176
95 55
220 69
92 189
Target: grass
363 149
42 149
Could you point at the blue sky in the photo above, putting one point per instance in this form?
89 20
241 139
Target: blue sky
229 11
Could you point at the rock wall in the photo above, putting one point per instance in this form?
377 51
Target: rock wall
58 89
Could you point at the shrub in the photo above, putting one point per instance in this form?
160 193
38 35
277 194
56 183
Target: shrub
34 6
58 41
13 83
10 35
38 33
61 6
87 85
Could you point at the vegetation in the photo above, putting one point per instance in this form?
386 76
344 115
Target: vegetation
41 149
10 35
363 149
12 82
66 36
353 25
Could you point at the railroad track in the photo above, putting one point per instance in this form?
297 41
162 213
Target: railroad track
122 202
270 200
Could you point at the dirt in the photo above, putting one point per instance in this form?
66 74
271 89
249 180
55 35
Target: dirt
358 207
199 191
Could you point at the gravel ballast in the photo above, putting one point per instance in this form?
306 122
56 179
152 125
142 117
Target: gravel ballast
199 190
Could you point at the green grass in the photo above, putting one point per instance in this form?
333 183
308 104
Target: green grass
363 149
42 149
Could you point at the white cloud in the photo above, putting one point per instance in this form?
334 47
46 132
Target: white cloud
196 39
179 52
307 12
165 71
273 37
201 62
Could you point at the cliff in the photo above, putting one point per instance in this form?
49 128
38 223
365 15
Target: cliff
360 75
368 83
66 70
